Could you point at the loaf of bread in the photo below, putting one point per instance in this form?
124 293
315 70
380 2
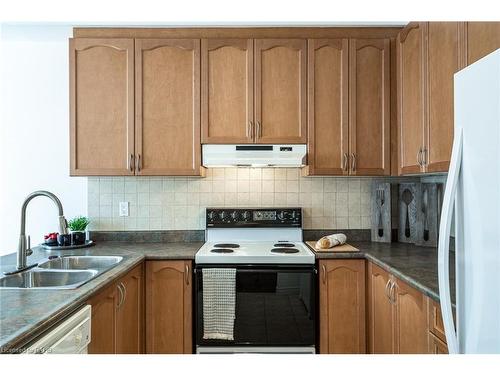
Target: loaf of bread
331 241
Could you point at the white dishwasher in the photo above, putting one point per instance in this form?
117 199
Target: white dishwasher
71 336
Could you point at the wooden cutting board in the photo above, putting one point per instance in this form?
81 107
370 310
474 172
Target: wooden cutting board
345 248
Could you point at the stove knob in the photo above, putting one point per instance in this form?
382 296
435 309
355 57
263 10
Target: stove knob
223 215
234 215
246 215
282 215
211 215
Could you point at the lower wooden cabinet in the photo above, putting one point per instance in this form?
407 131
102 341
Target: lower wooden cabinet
410 319
117 316
103 321
397 315
436 346
342 306
380 311
130 314
169 307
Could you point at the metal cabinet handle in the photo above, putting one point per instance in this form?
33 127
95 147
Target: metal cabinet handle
249 129
119 286
131 163
424 156
258 132
138 162
387 288
419 159
353 166
124 288
392 296
345 160
323 268
187 274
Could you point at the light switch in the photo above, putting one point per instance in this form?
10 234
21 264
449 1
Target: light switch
123 209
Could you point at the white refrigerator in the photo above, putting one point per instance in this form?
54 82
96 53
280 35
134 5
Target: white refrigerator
473 193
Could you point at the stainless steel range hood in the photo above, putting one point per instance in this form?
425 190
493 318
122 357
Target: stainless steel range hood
254 155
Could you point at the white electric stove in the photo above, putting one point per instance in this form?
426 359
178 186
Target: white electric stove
254 236
275 281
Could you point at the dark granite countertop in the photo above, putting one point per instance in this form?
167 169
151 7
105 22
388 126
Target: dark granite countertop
416 265
24 314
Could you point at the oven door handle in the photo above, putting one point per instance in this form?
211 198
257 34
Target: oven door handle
265 270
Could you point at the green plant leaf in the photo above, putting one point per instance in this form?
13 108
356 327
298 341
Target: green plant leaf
78 224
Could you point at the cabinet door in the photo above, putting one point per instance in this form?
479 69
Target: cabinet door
411 106
327 79
369 106
342 306
130 315
436 346
168 307
280 90
168 107
103 327
444 61
101 106
380 312
227 90
482 39
410 320
436 325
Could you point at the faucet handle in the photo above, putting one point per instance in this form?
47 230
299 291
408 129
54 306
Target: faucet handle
28 246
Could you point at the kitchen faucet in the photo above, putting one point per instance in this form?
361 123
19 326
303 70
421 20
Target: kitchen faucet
24 248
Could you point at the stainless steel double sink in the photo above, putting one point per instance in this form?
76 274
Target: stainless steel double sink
66 272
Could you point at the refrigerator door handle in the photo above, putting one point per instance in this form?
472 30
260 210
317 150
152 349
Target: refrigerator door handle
444 243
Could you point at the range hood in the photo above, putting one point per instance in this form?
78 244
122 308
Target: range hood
254 155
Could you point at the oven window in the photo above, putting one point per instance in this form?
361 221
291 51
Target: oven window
273 307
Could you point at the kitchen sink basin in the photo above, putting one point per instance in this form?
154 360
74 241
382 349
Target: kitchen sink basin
48 279
82 262
67 272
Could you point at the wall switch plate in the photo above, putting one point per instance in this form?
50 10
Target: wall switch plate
123 209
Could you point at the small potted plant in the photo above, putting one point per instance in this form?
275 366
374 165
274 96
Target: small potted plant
78 225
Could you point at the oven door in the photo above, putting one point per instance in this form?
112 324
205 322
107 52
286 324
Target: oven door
275 307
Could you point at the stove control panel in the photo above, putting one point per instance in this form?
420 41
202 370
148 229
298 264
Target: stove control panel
253 217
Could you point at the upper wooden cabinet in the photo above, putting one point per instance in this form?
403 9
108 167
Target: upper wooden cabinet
163 138
169 307
101 106
348 107
328 105
411 95
167 107
227 110
253 91
429 54
342 306
444 58
482 39
280 90
369 106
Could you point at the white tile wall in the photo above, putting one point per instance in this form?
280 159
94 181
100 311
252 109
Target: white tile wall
164 203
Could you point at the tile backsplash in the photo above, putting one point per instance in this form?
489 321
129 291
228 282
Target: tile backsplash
166 203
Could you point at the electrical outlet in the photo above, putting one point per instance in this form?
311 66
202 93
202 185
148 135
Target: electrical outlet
123 209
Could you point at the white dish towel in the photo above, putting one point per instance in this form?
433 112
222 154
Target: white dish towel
219 303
